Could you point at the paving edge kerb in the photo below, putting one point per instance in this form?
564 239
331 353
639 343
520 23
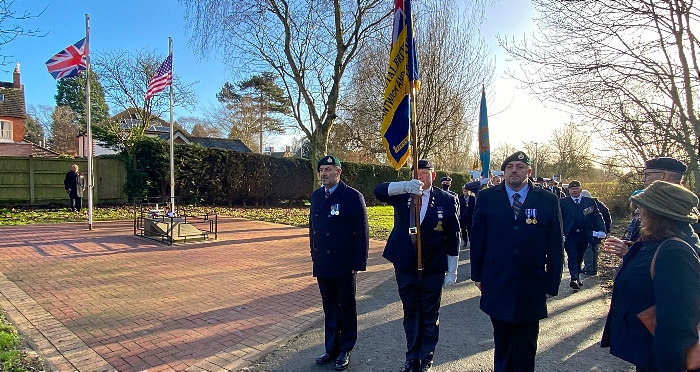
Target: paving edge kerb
62 349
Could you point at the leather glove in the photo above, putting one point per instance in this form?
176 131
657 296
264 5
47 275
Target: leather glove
599 234
405 187
451 275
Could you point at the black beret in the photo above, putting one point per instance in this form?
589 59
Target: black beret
425 164
666 164
328 160
446 179
539 179
574 183
518 156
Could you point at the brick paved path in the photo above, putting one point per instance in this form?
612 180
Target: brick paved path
105 300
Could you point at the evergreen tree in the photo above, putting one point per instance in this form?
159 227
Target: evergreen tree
70 92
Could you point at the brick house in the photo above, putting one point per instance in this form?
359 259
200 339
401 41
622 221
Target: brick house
13 113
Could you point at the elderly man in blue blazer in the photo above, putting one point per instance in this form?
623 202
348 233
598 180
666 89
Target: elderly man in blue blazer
439 236
339 238
517 256
583 225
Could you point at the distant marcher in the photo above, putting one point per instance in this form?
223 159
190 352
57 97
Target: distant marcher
496 180
582 224
74 183
466 212
439 231
445 184
633 228
556 190
339 238
516 260
662 270
590 257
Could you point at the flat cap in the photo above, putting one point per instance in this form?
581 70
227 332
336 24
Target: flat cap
328 160
666 164
446 179
574 183
518 156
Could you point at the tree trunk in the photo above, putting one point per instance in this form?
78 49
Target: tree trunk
319 149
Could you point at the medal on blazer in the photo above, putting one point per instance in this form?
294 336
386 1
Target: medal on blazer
335 209
439 213
439 226
531 216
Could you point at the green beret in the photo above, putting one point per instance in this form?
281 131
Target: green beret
328 160
518 156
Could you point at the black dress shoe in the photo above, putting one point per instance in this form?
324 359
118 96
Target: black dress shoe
425 365
343 361
575 284
410 366
324 358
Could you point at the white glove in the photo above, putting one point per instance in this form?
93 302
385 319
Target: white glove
451 275
405 187
599 234
484 181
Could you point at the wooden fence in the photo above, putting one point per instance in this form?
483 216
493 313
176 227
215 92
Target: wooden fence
39 181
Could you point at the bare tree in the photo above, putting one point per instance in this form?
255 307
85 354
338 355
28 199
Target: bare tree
125 77
572 154
453 64
64 131
628 67
42 115
500 153
10 29
309 44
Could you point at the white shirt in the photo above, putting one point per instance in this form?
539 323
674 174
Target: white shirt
425 199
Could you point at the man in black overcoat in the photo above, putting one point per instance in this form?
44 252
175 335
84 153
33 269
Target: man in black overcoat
74 183
583 225
516 260
439 236
339 238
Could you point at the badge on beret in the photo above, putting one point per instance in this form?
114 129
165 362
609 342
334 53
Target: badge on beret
521 156
329 160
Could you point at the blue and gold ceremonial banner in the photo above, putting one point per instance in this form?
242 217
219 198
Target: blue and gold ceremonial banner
403 70
484 146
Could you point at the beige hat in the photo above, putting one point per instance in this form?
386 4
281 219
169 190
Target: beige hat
669 200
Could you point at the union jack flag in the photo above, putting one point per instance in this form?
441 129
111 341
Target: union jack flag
68 62
162 78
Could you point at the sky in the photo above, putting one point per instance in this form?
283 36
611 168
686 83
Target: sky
134 25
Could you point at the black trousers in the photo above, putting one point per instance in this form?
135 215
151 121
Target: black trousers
421 307
339 307
516 345
575 246
76 202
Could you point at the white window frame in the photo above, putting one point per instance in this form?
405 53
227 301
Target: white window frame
6 134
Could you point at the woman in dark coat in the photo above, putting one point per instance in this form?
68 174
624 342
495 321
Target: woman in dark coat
666 211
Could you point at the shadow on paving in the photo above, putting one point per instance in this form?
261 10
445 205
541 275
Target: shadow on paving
569 338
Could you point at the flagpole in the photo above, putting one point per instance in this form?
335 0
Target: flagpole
172 151
414 135
87 120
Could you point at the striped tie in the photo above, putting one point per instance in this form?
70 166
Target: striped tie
516 204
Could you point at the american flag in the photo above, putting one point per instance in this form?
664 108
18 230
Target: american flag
68 62
163 78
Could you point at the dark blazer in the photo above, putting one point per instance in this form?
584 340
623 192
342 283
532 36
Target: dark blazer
75 183
517 263
339 243
439 231
675 290
556 191
593 221
605 213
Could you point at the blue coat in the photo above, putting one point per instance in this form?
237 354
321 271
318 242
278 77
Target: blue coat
517 263
675 290
439 231
339 243
593 220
